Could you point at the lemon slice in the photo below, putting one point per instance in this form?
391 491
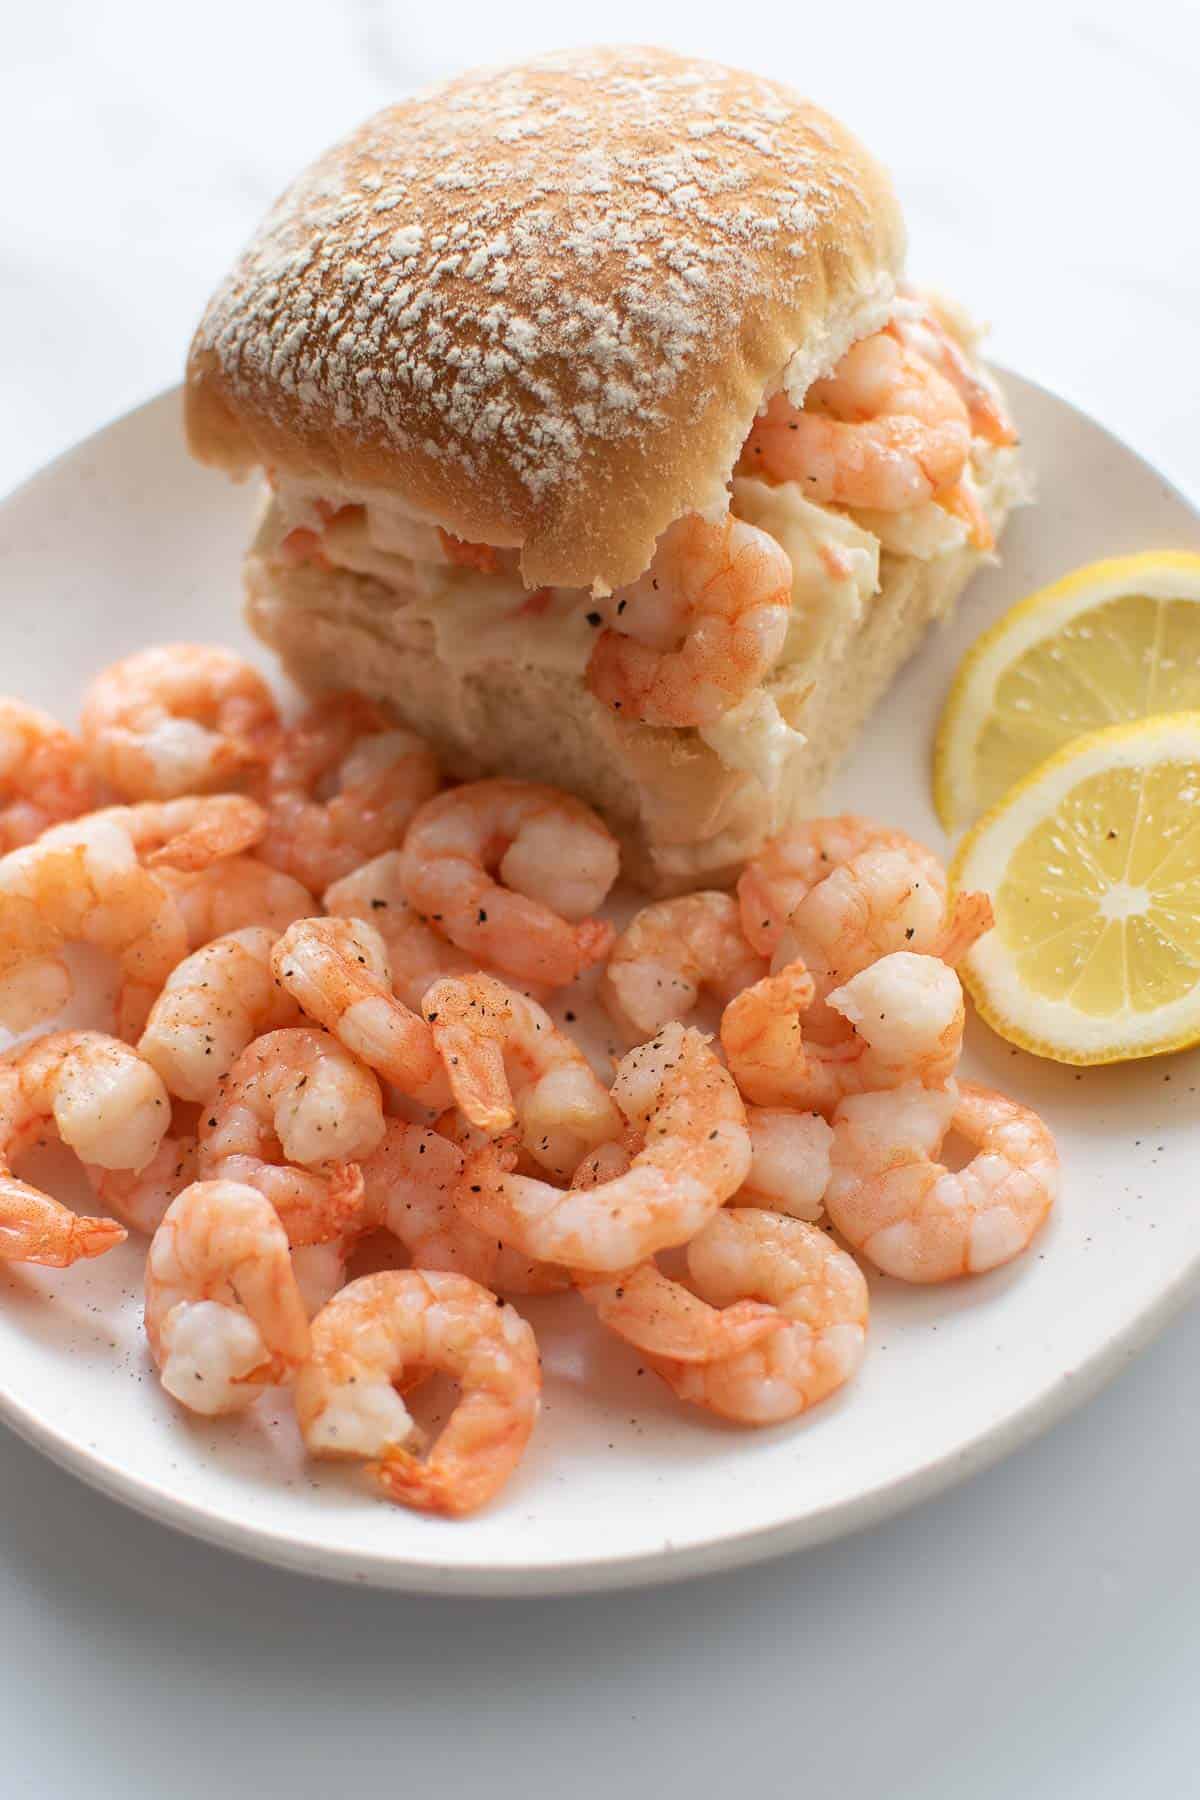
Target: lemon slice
1116 640
1093 866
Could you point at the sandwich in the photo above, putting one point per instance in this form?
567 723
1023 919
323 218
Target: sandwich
603 441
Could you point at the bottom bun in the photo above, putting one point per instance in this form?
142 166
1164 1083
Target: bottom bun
684 819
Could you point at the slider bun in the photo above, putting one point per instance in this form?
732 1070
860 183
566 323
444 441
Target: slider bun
541 304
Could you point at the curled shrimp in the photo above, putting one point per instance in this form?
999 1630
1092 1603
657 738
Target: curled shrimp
821 1301
44 778
507 1060
917 326
106 1104
192 832
178 719
214 1003
669 953
914 1218
379 776
337 970
789 1162
699 630
654 1313
907 1017
234 893
140 1197
557 862
418 954
79 883
695 1153
878 902
412 1186
223 1312
885 430
385 1330
295 1117
777 879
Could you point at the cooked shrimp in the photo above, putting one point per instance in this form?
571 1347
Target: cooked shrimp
695 1153
669 953
140 1197
880 901
232 894
907 1017
379 776
223 1312
386 1330
917 326
79 883
822 1302
106 1104
788 866
294 1118
654 1313
189 833
916 1219
557 862
885 430
507 1061
790 1166
178 719
44 778
337 970
699 630
418 954
412 1185
214 1003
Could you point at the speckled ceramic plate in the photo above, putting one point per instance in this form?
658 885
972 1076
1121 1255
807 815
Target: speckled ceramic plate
124 542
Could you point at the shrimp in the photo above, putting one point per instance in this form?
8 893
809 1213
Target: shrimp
44 779
178 719
79 883
106 1104
223 1312
699 630
296 1097
140 1197
507 1060
190 833
337 970
788 866
418 954
384 1330
412 1183
379 776
671 951
918 327
654 1313
790 1162
907 1017
882 900
695 1154
914 1218
885 430
232 894
214 1003
819 1295
557 862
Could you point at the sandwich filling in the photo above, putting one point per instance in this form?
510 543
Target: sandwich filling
891 455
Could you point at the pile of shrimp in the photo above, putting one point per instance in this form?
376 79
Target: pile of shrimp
340 1034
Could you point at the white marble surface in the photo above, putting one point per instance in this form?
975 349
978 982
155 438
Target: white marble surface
1036 1632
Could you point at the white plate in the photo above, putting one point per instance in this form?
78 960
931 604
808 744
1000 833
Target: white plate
124 542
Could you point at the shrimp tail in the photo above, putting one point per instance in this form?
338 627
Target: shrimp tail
971 917
56 1244
594 938
409 1481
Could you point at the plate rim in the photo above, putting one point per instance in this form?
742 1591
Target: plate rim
666 1564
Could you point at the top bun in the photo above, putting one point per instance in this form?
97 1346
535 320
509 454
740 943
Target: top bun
541 305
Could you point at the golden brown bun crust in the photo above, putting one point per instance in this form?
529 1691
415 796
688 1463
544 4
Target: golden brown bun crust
542 303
